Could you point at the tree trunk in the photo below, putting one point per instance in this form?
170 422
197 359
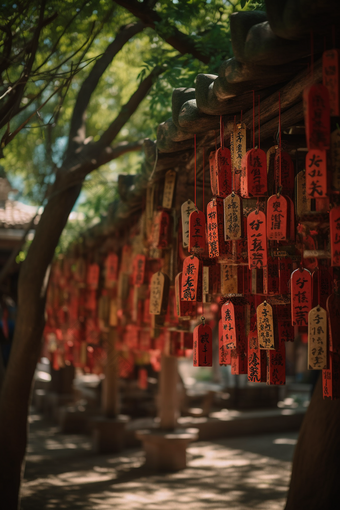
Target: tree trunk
27 342
315 475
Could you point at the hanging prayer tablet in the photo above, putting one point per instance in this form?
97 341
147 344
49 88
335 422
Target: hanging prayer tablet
277 215
223 170
317 116
243 177
187 208
232 217
257 240
317 338
334 225
322 285
224 354
331 378
239 363
229 325
256 173
316 173
333 311
271 278
139 270
301 296
93 276
284 173
238 146
256 359
205 284
214 225
202 346
229 279
196 232
302 202
159 293
111 270
285 331
265 327
213 173
169 187
276 365
331 80
190 277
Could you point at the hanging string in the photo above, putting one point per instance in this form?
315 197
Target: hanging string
253 119
221 132
259 121
241 116
319 287
195 165
279 120
311 53
203 175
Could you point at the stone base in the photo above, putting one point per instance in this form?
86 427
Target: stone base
54 401
108 433
75 419
166 450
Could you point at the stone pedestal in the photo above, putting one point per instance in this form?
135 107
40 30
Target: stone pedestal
108 433
74 419
166 451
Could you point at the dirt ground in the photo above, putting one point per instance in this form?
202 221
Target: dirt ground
238 473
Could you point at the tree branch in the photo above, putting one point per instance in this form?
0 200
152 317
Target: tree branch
181 42
77 129
12 105
128 109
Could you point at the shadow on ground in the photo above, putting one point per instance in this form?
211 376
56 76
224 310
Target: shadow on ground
238 473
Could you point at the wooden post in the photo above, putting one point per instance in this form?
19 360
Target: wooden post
110 403
168 394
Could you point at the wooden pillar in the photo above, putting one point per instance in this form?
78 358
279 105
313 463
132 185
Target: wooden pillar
168 394
110 401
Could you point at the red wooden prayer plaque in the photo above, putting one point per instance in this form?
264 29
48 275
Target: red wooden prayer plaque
223 169
257 240
331 79
190 277
216 243
285 332
316 173
322 285
93 271
139 270
334 225
277 218
301 296
331 378
285 269
224 354
276 365
284 173
239 364
111 269
196 232
184 309
256 359
213 173
229 325
317 116
202 346
271 280
256 173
